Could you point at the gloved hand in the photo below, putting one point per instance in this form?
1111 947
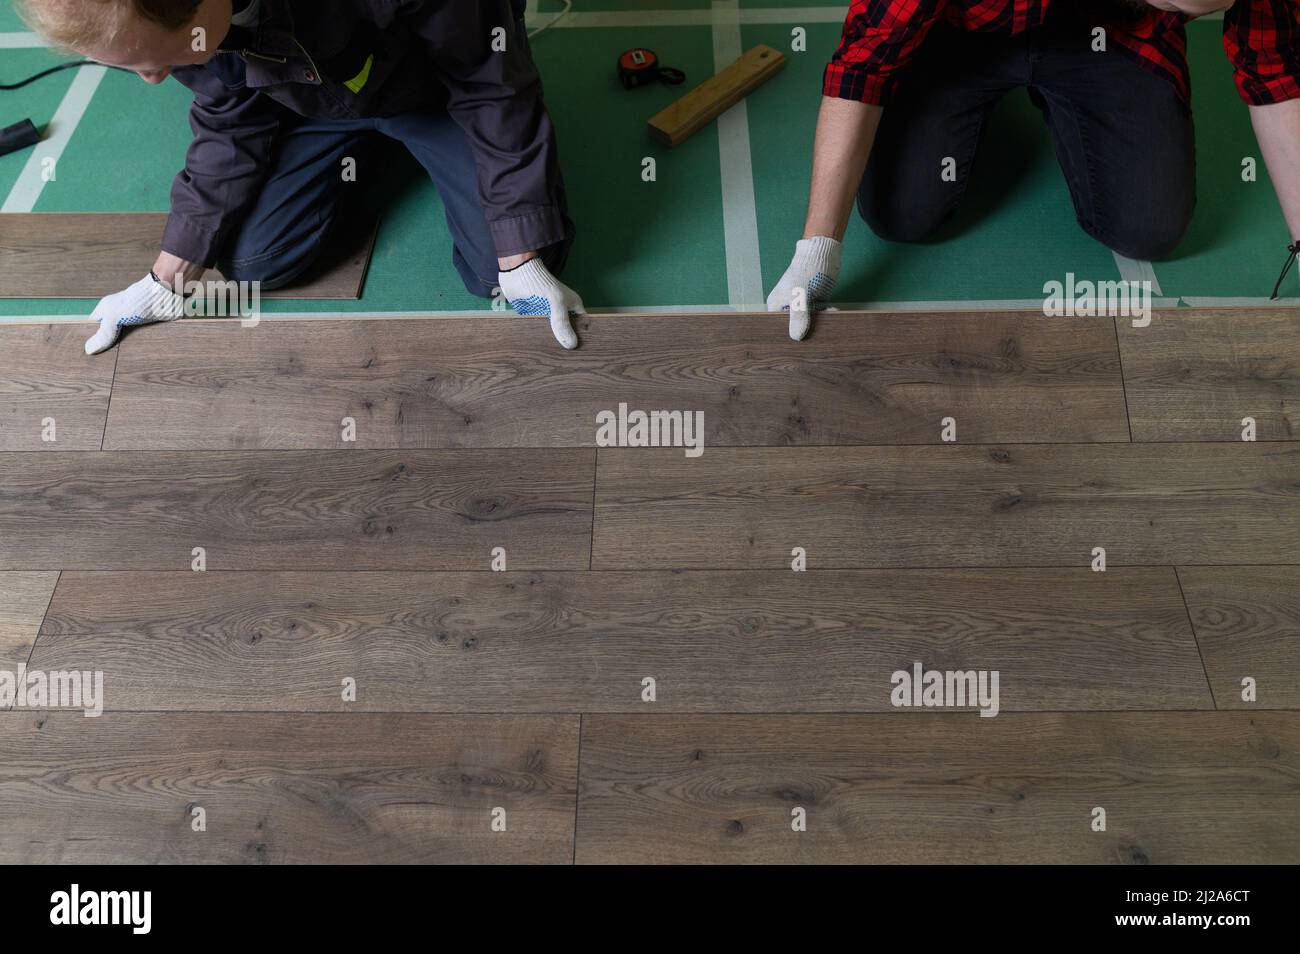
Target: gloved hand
810 278
532 290
144 303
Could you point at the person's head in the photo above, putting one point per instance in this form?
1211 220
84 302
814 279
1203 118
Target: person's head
146 36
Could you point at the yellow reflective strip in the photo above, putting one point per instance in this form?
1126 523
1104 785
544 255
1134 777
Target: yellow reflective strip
359 80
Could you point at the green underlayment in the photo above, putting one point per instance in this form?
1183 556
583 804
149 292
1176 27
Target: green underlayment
662 244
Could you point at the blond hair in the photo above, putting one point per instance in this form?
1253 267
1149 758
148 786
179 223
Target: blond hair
83 24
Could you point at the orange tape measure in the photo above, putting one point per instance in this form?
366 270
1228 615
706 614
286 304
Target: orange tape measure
640 66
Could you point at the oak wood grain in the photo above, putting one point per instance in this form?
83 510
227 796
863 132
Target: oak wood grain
319 789
46 376
93 254
583 642
24 598
1247 622
1146 504
440 510
1193 375
478 382
951 788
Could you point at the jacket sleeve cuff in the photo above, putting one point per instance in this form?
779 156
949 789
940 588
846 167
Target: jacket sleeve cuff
846 82
529 232
184 239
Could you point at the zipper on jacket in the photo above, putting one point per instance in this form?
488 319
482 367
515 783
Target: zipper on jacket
263 56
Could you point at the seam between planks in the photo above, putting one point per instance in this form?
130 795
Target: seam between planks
577 790
591 544
136 451
40 626
1188 610
112 386
972 713
1119 356
862 568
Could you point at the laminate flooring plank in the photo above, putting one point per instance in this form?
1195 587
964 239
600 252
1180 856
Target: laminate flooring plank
356 510
950 788
93 254
1195 375
485 382
50 388
1247 622
1024 505
24 598
318 789
583 642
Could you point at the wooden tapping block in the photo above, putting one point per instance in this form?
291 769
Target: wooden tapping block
715 96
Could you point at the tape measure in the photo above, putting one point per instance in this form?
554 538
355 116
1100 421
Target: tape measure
640 66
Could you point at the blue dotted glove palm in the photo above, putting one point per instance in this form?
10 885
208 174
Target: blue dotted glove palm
145 302
532 290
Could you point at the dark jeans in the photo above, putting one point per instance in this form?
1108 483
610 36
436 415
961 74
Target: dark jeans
1122 136
284 232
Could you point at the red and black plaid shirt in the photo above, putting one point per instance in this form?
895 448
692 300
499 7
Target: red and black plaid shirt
1262 38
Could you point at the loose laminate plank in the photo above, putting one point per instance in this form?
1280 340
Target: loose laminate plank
1194 375
93 254
49 387
319 789
583 642
356 510
483 382
950 788
1026 505
1247 621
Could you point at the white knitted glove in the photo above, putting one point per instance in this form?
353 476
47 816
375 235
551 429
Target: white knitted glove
144 303
810 278
532 290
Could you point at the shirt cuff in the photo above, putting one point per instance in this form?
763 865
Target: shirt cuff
1262 92
847 82
184 239
529 232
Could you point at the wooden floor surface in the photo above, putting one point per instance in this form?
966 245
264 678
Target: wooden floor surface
373 591
111 250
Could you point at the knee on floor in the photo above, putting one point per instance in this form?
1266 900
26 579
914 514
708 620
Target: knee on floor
269 271
900 223
1147 244
1148 237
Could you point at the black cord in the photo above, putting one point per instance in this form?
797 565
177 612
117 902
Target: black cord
54 69
1291 260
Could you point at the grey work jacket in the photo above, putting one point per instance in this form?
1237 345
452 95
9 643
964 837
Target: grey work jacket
350 59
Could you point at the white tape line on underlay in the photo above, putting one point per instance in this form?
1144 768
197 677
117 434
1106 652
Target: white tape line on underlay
794 15
1197 301
23 196
1137 270
622 19
20 41
697 18
739 210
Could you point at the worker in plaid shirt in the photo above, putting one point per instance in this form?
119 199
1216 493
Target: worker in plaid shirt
907 94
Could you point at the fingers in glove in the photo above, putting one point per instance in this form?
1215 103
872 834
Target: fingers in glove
561 326
104 338
800 321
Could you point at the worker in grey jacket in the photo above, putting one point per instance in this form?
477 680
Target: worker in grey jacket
286 92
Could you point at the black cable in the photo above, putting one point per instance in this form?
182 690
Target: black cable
1294 249
53 69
